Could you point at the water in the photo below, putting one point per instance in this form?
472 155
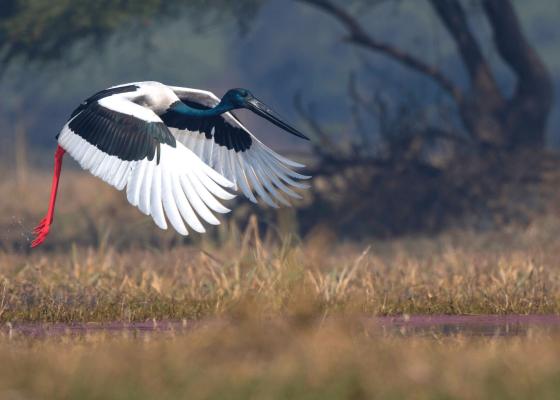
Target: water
415 325
468 325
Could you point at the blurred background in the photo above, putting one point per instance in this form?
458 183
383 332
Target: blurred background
426 116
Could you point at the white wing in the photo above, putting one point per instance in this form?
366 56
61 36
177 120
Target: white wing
228 147
120 142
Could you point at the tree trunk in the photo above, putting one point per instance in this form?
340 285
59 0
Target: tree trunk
490 117
525 115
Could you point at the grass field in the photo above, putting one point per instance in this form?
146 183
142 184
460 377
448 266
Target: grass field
104 261
206 280
284 313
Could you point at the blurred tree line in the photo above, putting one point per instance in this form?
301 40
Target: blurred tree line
43 30
417 174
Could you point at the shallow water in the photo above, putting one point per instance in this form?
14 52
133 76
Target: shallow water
468 325
415 325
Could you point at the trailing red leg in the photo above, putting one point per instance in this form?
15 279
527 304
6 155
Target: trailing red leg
42 230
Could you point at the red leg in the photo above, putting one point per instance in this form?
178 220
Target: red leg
42 230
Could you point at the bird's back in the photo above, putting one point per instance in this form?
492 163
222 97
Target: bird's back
150 94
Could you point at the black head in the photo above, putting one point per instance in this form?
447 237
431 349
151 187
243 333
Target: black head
242 98
237 98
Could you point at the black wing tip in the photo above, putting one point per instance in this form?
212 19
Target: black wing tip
122 135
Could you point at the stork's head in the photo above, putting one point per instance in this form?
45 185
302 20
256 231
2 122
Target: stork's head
242 98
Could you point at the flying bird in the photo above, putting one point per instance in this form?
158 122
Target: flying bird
175 150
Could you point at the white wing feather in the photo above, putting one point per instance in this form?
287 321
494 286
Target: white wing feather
258 169
175 188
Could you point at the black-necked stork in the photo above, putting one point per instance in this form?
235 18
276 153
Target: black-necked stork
174 149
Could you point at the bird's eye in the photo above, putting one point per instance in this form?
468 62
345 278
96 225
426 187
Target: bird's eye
243 93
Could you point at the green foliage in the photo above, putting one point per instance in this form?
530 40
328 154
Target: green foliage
46 29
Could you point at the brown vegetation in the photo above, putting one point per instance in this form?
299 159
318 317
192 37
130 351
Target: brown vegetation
105 261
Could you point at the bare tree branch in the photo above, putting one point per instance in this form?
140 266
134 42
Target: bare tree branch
325 146
359 104
491 119
453 17
359 36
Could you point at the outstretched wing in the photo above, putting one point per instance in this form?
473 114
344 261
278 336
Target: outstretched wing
227 146
128 146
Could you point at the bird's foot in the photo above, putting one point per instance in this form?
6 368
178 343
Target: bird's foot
41 232
42 224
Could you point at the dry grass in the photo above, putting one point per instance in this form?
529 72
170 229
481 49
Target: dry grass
241 275
133 274
105 262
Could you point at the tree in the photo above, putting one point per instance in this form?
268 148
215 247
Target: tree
45 30
403 188
491 118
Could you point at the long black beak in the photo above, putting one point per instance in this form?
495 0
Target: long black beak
264 111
